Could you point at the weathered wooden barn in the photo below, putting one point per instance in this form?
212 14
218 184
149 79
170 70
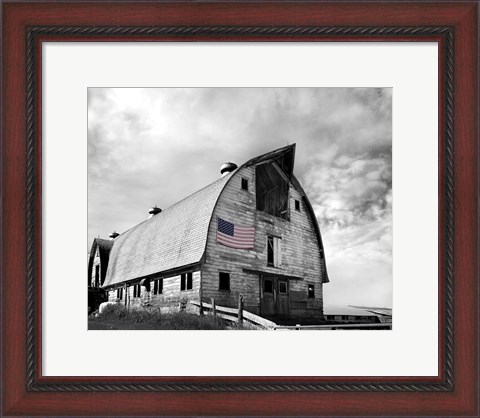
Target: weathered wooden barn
252 232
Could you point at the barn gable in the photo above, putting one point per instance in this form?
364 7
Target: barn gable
287 260
99 255
273 173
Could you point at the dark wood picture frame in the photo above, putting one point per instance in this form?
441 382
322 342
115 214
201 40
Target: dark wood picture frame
453 25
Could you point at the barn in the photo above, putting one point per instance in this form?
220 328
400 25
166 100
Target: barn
251 233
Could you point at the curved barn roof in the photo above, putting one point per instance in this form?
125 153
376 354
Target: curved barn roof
173 238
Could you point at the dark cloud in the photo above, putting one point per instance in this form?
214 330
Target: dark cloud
156 146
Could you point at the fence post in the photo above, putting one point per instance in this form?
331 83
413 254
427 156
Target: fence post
201 308
240 309
214 309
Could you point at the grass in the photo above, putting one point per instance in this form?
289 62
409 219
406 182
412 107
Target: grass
117 317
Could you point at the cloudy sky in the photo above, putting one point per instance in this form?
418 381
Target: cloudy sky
156 146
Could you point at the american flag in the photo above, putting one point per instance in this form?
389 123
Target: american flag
235 236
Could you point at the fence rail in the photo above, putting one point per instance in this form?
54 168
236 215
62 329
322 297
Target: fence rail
240 316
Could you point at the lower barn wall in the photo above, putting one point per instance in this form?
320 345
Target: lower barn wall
241 283
248 285
169 299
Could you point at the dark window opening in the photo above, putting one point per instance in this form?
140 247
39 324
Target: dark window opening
282 287
270 252
311 291
244 184
223 281
97 275
186 281
297 205
271 185
158 287
344 318
267 286
120 293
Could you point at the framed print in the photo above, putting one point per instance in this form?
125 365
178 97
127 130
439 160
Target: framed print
310 173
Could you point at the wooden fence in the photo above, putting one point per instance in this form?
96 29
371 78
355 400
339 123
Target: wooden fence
238 315
249 320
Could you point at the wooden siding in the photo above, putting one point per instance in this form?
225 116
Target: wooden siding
170 296
300 251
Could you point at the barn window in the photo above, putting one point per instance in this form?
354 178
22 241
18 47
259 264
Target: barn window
186 281
267 286
223 281
244 184
136 290
311 291
297 205
282 287
274 251
158 287
270 252
120 293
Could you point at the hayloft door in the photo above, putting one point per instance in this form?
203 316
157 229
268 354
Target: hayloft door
267 304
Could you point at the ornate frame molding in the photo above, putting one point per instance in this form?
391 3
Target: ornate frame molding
296 32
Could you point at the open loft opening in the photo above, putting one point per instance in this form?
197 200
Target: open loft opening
272 179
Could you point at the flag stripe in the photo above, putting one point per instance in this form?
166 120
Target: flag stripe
228 238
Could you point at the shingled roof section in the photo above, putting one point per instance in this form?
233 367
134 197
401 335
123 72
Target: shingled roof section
171 239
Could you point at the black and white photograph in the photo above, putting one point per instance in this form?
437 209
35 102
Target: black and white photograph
240 209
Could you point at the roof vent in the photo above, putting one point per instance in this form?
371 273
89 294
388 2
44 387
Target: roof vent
154 211
114 235
227 168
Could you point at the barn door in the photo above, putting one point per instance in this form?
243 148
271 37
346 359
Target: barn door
274 297
267 296
282 298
